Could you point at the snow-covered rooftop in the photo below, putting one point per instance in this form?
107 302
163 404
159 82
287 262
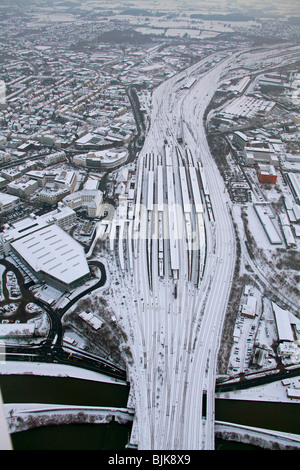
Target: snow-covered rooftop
283 323
52 251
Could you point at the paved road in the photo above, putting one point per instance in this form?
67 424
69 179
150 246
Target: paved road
254 380
50 350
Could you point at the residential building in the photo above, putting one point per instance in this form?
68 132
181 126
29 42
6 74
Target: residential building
22 187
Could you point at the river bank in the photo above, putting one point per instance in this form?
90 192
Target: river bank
22 417
54 370
241 417
261 438
53 406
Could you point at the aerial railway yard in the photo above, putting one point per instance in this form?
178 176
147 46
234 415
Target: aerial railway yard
171 206
180 251
177 271
169 262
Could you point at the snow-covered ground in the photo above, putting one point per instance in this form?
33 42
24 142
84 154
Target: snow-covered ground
163 372
273 392
173 344
54 370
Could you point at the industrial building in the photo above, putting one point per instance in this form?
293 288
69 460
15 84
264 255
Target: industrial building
249 308
240 139
267 224
248 107
253 155
48 252
292 210
266 173
294 182
287 231
288 331
283 324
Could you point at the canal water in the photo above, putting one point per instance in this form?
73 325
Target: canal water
113 436
69 391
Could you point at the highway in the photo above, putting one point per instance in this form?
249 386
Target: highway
181 249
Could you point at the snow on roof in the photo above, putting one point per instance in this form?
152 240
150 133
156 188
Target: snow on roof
295 182
16 329
91 183
293 392
267 224
241 135
282 318
57 214
150 189
84 139
123 176
184 190
51 250
266 169
174 234
91 319
249 308
196 190
160 198
7 198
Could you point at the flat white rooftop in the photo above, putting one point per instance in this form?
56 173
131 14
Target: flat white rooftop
51 250
283 323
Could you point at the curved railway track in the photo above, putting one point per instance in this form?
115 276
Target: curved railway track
175 339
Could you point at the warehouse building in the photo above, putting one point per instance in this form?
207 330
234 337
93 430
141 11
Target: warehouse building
267 224
294 183
283 324
48 252
254 155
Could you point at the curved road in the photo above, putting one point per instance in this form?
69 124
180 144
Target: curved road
51 350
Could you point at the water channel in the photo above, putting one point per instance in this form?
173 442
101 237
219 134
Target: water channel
113 436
